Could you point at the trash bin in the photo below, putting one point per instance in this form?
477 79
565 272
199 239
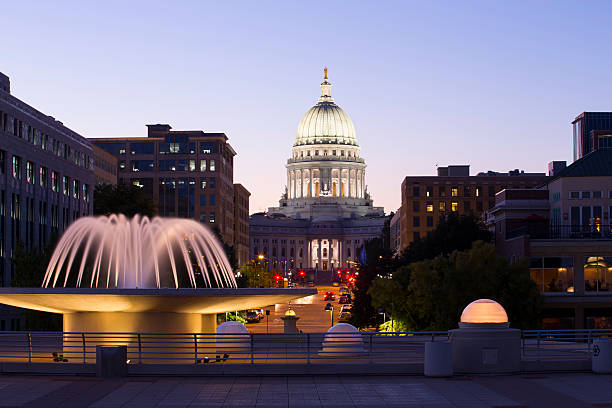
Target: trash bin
438 359
111 361
602 356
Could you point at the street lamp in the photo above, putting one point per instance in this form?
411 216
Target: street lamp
330 308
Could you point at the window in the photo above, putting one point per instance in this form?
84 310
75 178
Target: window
54 181
466 191
586 194
454 192
17 167
203 184
44 143
122 164
554 274
467 206
478 189
416 221
442 191
415 191
212 165
429 206
30 172
454 206
202 165
442 206
142 165
211 199
203 218
429 192
491 191
2 161
596 194
66 185
142 148
574 194
76 189
202 199
86 192
597 274
479 206
192 165
43 176
415 206
212 182
207 147
211 218
610 194
430 222
416 236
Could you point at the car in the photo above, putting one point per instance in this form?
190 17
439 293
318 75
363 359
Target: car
329 296
345 315
254 315
311 284
344 290
346 307
346 298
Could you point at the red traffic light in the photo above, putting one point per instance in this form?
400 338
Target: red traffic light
277 277
339 272
301 273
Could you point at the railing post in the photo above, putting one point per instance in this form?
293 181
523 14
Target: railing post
307 348
538 345
29 347
195 348
139 350
252 341
84 349
370 348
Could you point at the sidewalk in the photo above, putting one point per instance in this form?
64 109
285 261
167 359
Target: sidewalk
556 390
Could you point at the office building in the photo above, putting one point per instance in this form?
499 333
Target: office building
592 131
425 199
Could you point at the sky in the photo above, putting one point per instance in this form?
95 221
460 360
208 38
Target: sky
491 84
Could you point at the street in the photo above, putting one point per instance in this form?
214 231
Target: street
310 310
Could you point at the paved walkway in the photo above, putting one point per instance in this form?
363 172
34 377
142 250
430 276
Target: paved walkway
551 390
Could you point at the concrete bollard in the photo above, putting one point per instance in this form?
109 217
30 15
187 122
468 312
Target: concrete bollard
602 356
111 361
438 359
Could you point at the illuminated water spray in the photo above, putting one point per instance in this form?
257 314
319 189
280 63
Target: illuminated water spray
117 252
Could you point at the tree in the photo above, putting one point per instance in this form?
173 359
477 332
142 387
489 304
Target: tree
434 292
257 276
125 199
453 233
30 267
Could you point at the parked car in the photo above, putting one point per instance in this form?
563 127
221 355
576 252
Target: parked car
254 315
346 307
329 296
345 315
311 284
346 298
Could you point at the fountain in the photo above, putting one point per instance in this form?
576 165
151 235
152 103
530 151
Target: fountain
160 275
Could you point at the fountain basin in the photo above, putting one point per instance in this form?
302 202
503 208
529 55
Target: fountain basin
182 310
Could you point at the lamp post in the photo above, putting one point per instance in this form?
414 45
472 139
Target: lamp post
330 308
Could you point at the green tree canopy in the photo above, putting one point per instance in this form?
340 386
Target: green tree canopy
453 232
125 199
431 294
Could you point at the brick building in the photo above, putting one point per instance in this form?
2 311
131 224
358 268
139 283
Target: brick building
427 198
241 223
189 174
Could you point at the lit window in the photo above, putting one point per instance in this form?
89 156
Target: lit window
429 206
454 191
43 176
212 165
211 218
454 206
17 167
192 165
202 165
203 184
442 206
66 185
30 172
477 191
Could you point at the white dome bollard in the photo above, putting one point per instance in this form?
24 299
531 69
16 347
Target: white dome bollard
438 359
602 356
342 340
232 338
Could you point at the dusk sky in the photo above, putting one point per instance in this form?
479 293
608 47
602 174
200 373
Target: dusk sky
492 84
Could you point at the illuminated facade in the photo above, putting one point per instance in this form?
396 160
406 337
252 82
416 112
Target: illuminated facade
326 213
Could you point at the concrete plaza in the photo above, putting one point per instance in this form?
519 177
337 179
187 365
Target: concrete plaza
546 390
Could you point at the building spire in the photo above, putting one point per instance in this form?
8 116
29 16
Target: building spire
325 89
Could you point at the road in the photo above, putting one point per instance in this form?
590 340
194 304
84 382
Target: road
310 310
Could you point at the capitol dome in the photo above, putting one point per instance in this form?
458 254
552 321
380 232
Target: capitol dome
326 122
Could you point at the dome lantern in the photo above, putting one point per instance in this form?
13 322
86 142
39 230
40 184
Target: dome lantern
326 122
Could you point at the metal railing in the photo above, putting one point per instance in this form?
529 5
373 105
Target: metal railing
211 348
262 348
560 344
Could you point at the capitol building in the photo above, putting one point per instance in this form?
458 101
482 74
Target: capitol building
326 213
